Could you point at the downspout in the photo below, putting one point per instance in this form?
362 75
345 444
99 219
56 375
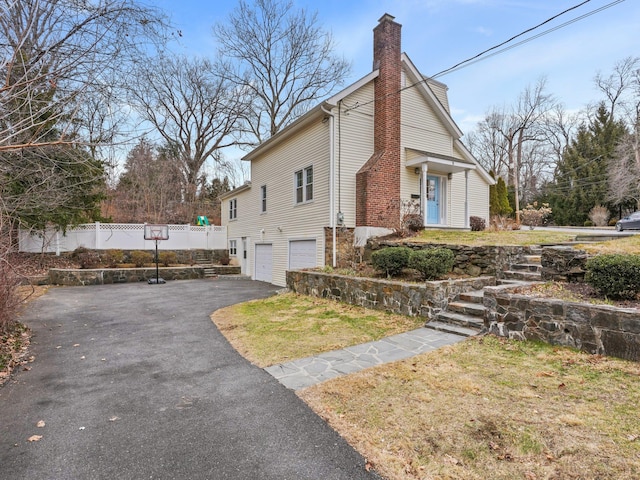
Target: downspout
332 180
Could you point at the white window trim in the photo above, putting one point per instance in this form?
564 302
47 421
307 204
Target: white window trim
233 248
263 199
305 186
233 209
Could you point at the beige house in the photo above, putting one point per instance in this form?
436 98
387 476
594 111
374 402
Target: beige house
355 166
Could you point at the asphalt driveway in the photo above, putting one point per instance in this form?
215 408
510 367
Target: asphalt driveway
134 381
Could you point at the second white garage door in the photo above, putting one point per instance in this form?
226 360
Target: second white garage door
264 263
302 254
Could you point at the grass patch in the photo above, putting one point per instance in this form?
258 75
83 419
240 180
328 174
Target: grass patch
491 408
628 245
289 326
487 238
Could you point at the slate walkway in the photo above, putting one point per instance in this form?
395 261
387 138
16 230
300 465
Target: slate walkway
308 371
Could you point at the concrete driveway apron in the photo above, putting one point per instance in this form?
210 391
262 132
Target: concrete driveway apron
134 381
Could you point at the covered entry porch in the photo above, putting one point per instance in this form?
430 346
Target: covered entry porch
435 175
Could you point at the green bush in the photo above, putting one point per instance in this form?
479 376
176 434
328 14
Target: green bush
615 276
139 258
167 258
588 223
112 258
391 260
432 263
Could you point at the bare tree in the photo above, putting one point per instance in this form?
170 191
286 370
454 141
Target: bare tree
283 56
624 167
619 86
57 54
149 189
489 146
195 107
518 126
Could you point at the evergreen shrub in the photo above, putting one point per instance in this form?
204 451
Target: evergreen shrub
432 263
615 276
391 260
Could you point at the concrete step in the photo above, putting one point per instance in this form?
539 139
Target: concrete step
466 308
513 282
522 275
533 258
449 328
529 267
461 320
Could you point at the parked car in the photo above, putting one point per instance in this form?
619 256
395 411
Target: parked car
631 222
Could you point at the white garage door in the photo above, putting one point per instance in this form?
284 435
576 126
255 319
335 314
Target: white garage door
264 263
302 254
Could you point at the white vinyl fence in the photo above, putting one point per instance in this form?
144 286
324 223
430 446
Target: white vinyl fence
123 236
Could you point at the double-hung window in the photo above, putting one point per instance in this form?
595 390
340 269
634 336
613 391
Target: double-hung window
304 185
263 199
233 248
233 209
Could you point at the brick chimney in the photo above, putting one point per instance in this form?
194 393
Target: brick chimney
378 181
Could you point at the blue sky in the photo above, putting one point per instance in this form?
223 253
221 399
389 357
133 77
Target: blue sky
437 34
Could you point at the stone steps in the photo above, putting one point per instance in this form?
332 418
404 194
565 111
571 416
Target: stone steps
464 316
452 328
529 270
210 272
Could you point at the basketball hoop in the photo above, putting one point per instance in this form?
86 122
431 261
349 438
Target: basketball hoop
156 232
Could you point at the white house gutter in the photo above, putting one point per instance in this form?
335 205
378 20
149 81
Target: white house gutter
332 179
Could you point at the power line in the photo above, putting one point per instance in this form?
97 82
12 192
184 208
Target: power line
475 59
511 39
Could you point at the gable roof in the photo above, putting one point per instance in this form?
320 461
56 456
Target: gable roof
310 116
421 83
414 80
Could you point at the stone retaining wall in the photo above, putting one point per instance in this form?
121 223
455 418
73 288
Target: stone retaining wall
99 276
597 329
563 264
472 261
414 299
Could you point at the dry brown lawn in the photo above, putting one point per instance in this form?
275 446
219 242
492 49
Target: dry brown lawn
290 326
489 408
485 408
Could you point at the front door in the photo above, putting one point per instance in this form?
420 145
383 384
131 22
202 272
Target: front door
433 200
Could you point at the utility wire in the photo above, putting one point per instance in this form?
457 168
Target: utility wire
511 39
475 59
